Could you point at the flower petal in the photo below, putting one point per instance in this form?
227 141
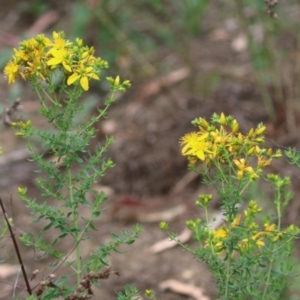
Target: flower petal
84 82
72 78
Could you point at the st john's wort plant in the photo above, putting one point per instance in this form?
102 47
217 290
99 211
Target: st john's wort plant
60 72
248 252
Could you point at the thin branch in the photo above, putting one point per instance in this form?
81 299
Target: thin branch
16 248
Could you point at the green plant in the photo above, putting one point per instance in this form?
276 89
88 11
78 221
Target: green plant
249 254
59 71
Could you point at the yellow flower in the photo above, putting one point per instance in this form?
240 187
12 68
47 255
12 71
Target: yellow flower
242 168
220 234
11 70
195 145
43 40
269 227
83 73
236 221
58 41
61 56
253 207
245 243
263 162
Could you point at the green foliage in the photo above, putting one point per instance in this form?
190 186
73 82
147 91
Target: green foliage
130 293
248 259
59 72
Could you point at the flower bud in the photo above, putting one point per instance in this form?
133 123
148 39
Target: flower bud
222 119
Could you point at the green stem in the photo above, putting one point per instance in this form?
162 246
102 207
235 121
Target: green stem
75 224
278 206
209 231
103 112
47 95
227 277
268 280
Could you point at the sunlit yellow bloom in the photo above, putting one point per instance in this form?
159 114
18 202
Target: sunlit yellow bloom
59 41
38 57
11 70
260 243
246 243
21 55
218 137
29 45
237 220
61 56
83 73
258 240
195 145
242 166
263 162
212 154
269 227
43 40
220 234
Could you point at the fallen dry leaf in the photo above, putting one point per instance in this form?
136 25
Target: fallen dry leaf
184 289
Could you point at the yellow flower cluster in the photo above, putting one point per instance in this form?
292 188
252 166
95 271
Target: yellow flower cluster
22 126
248 237
37 59
221 142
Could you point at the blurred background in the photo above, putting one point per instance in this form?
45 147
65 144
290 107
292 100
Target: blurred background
185 59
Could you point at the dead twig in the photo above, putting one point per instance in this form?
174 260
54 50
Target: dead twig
184 289
165 244
29 290
155 86
14 156
43 22
183 182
